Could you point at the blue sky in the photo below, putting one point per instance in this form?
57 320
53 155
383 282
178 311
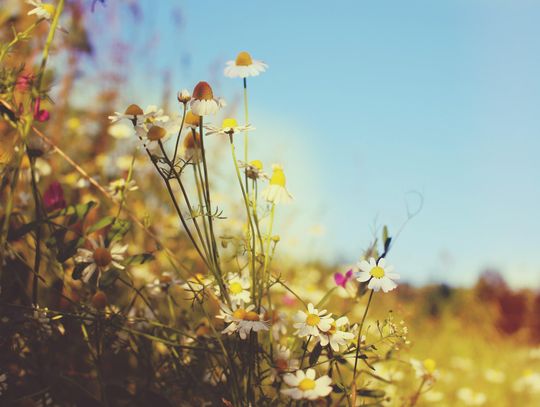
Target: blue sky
365 101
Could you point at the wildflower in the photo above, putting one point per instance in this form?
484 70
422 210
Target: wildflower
192 147
278 320
228 127
196 284
238 286
41 168
341 280
305 386
253 169
100 258
425 370
529 382
494 376
313 322
53 197
203 102
99 300
41 10
120 130
378 274
470 397
244 66
183 96
119 187
41 115
336 337
192 121
155 129
283 362
163 283
242 320
276 192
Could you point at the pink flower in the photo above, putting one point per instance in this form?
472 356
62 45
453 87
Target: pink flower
24 82
53 198
41 115
342 279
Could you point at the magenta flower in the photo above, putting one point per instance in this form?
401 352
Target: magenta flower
342 279
41 115
53 198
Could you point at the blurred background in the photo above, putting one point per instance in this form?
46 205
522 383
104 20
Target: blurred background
375 109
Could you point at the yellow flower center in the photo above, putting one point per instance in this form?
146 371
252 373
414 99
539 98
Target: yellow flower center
281 364
430 365
203 91
313 319
306 384
240 313
243 59
102 257
278 178
192 142
49 8
377 272
156 133
165 279
134 110
236 288
251 316
332 329
257 164
228 123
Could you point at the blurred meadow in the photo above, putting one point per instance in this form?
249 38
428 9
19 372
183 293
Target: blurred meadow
288 203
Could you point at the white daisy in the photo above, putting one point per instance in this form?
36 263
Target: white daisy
470 397
305 386
238 287
203 102
183 96
192 121
244 66
41 10
312 323
283 362
131 113
228 127
162 284
100 258
253 169
425 370
242 320
192 147
276 192
379 275
337 337
196 284
278 320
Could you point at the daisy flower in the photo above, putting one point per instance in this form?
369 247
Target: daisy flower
192 121
253 169
203 102
278 320
305 386
425 370
379 275
196 284
242 320
100 258
283 362
244 66
238 286
131 113
276 192
228 127
192 147
337 336
41 10
312 323
183 96
119 187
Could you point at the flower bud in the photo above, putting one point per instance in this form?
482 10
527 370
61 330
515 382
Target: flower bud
183 96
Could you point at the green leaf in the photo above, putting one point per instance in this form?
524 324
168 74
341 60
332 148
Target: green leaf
118 230
100 224
385 233
77 212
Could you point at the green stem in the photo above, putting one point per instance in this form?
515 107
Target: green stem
358 340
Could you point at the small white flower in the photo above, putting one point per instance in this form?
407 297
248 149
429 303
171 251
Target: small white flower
183 96
276 192
494 376
162 284
529 382
305 386
196 284
119 188
203 102
228 126
425 370
100 258
380 275
244 66
238 287
470 397
337 337
278 320
41 10
253 169
312 323
242 320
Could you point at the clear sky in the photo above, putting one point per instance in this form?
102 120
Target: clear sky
365 101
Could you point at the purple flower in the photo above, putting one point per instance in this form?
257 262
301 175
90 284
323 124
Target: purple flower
342 279
41 115
53 198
